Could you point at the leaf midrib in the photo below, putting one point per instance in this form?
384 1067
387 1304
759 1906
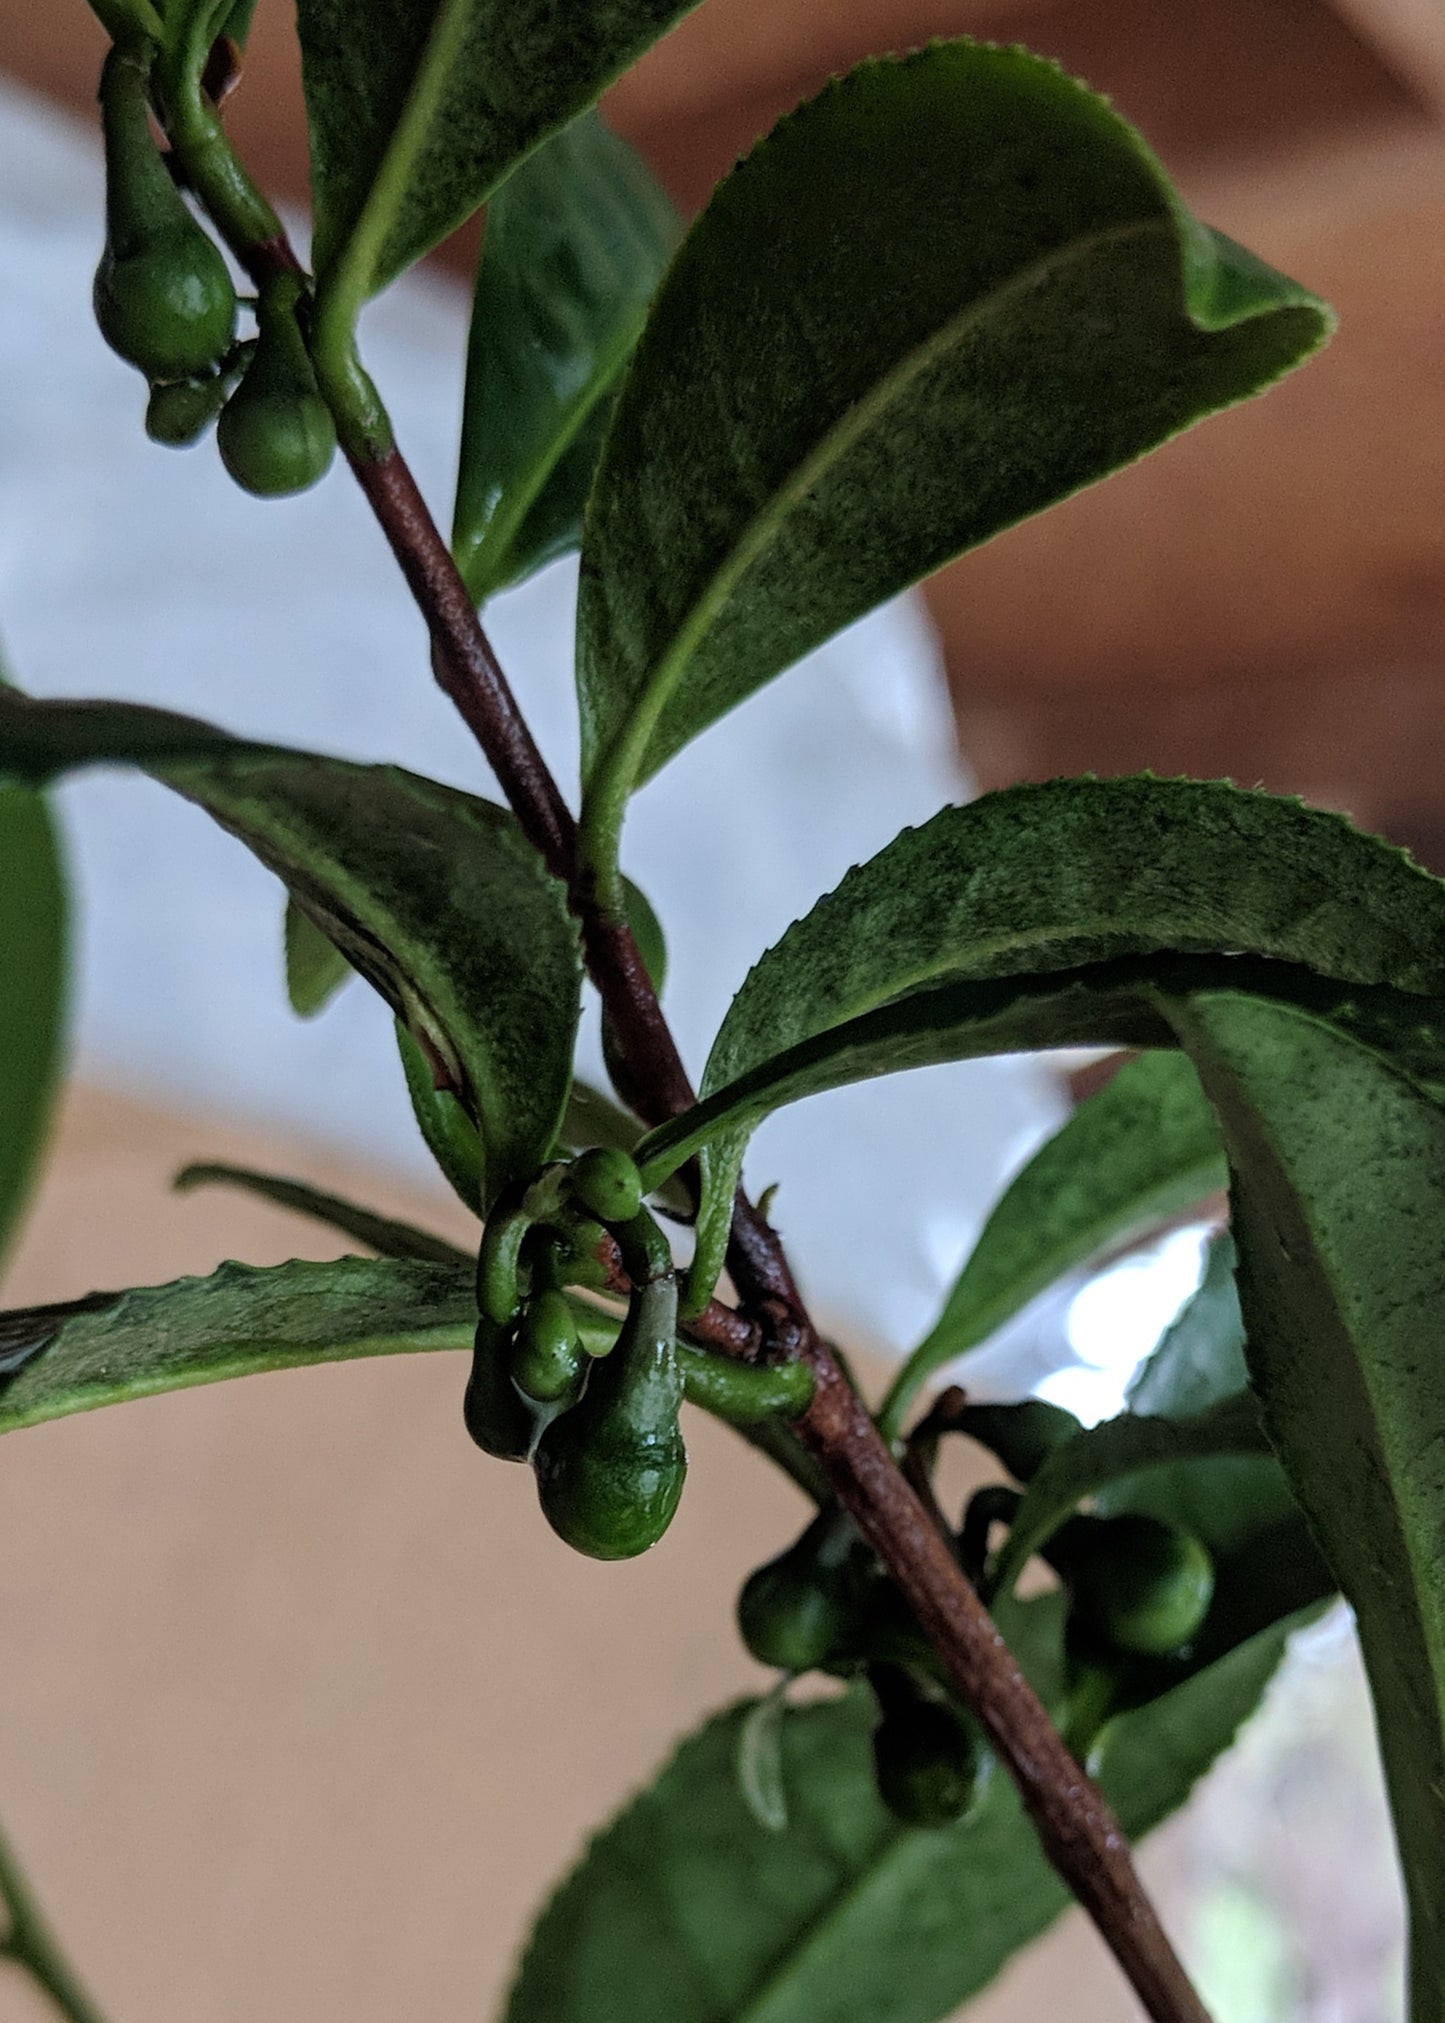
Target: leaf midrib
787 1963
354 275
624 754
526 496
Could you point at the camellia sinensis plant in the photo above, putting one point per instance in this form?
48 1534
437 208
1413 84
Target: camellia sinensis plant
942 295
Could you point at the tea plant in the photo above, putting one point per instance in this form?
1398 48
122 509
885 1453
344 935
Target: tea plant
943 294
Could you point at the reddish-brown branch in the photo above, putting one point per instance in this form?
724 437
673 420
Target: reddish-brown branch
468 671
1079 1833
1075 1825
717 1327
1077 1830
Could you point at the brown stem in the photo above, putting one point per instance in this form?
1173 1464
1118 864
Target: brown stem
1075 1825
1079 1833
717 1327
463 660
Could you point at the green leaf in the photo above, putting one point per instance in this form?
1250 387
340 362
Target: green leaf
592 1118
944 294
380 1233
1200 1357
33 916
315 968
418 109
237 1322
1338 1172
1225 1501
1060 915
1115 1449
686 1910
238 22
433 896
576 243
451 1136
1142 1149
760 1760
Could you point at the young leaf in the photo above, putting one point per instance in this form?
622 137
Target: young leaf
1140 1150
432 895
576 243
32 991
1049 916
378 1232
241 1320
451 1136
1114 1449
1200 1357
315 968
237 23
1200 1361
760 1759
419 108
686 1910
947 292
1338 1166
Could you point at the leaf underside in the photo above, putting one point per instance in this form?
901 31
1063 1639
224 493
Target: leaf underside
791 446
315 968
432 895
1338 1170
576 243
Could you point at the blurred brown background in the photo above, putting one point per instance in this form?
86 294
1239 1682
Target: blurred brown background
303 1706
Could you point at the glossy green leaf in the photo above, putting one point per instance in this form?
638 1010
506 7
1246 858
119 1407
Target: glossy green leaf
687 1910
1338 1171
419 108
381 1233
1057 915
1115 1449
239 1321
576 243
1200 1361
433 896
315 967
1140 1150
947 292
32 991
